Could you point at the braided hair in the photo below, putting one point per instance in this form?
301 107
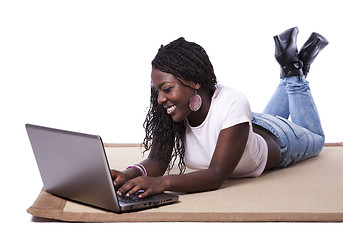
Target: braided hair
188 61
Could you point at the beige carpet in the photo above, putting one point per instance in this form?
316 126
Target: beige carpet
308 191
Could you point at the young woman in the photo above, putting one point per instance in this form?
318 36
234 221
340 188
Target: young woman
210 128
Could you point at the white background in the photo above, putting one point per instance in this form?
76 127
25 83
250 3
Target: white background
85 66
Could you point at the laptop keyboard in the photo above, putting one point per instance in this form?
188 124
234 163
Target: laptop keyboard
133 198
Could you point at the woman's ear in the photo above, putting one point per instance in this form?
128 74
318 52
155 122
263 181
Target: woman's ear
196 85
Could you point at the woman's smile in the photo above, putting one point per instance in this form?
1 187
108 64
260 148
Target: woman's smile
171 109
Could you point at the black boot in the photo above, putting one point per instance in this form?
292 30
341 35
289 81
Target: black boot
286 53
310 50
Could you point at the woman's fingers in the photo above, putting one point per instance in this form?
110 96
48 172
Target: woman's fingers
132 186
150 185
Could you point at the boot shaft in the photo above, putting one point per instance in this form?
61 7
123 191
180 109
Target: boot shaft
311 49
286 53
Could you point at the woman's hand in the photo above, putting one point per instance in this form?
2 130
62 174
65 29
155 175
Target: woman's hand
151 186
119 178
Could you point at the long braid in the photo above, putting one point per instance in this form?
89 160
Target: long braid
189 61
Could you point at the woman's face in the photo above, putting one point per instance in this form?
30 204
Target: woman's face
172 94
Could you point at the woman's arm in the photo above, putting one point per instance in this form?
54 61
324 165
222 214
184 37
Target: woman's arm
229 149
152 164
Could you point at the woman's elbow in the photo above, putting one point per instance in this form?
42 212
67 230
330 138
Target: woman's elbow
217 180
218 184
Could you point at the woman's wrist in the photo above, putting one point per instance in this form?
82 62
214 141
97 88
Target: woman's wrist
166 182
140 167
132 173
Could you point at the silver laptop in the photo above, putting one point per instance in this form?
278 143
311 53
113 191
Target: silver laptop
74 166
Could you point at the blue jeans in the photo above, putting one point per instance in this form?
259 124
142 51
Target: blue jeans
302 138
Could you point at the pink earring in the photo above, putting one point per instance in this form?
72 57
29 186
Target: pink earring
195 102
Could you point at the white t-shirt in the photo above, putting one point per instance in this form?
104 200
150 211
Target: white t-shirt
228 108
